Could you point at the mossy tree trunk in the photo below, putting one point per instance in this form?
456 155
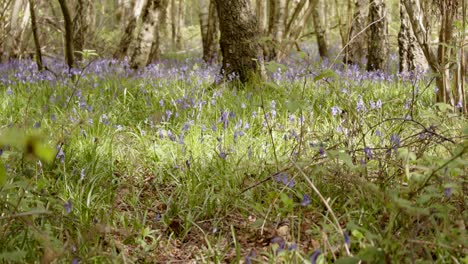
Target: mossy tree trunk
239 32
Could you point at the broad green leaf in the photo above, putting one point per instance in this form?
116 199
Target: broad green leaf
325 74
14 256
44 152
372 255
347 260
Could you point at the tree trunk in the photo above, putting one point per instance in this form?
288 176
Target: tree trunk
319 30
210 30
261 12
439 63
163 26
129 32
17 28
124 10
238 41
173 22
180 24
378 39
68 33
294 18
297 28
146 36
37 45
356 47
277 27
80 26
410 53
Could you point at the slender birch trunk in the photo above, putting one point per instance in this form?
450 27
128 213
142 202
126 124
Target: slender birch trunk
146 37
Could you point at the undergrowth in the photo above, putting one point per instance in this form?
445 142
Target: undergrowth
319 164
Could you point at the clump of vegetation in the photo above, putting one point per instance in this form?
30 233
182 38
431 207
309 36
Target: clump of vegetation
321 163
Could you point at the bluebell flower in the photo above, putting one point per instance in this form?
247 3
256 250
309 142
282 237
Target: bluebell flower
82 174
322 152
346 238
157 217
224 118
168 114
379 104
335 110
368 152
360 107
293 246
68 206
448 192
395 140
222 155
305 200
61 154
314 256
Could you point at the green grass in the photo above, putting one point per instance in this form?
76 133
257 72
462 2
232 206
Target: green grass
214 196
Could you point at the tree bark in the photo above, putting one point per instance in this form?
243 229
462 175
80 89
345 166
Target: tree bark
319 30
124 11
68 33
146 36
356 46
261 13
180 24
277 29
238 41
129 32
410 53
378 39
439 63
173 21
81 23
209 26
37 45
17 28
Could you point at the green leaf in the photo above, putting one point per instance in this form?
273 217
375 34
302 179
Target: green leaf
443 107
294 105
347 260
14 256
273 66
325 74
372 255
44 152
